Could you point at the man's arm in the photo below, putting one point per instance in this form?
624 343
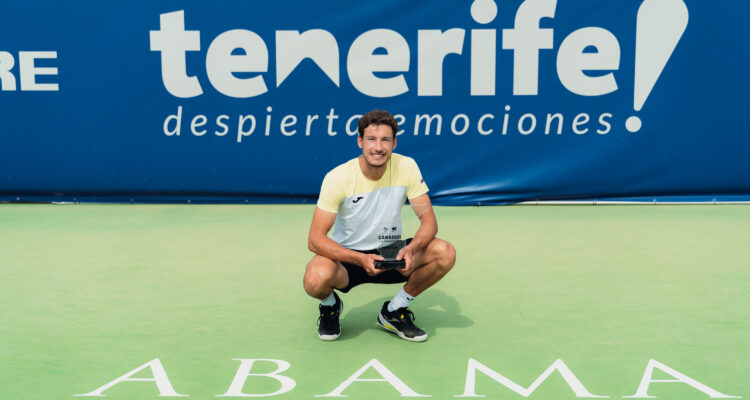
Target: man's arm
319 243
428 228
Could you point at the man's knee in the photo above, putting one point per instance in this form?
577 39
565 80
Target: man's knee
320 276
312 285
445 254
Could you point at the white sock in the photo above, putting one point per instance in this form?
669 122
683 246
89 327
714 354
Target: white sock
329 301
402 299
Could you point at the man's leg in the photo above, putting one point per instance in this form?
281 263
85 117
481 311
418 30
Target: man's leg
322 275
433 262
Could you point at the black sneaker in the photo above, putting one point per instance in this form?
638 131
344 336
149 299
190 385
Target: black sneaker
328 322
400 322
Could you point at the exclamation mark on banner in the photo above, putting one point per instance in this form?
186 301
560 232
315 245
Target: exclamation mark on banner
661 24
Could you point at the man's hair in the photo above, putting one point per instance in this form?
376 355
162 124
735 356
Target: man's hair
377 117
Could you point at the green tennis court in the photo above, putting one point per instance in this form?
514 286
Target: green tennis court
92 292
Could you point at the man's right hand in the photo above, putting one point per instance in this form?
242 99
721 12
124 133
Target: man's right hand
368 263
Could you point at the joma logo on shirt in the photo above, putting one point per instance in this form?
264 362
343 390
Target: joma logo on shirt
357 199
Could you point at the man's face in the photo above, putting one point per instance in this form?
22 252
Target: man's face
377 144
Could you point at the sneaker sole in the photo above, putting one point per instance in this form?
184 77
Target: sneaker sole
328 338
382 322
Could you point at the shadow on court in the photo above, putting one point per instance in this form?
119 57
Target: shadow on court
434 309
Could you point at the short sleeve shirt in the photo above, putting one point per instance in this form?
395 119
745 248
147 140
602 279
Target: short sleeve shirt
368 213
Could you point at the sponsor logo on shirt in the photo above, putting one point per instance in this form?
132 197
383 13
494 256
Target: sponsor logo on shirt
389 237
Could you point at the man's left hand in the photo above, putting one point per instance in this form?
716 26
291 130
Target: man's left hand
407 255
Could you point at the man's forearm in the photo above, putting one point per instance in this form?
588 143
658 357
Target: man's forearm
328 248
424 235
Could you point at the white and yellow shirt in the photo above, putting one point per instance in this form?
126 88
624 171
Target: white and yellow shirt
368 213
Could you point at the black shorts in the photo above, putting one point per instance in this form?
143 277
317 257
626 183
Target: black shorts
358 275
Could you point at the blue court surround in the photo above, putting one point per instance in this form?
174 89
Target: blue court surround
108 130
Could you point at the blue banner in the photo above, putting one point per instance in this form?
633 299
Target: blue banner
498 101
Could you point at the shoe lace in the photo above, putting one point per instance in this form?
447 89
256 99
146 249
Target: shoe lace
409 315
327 314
